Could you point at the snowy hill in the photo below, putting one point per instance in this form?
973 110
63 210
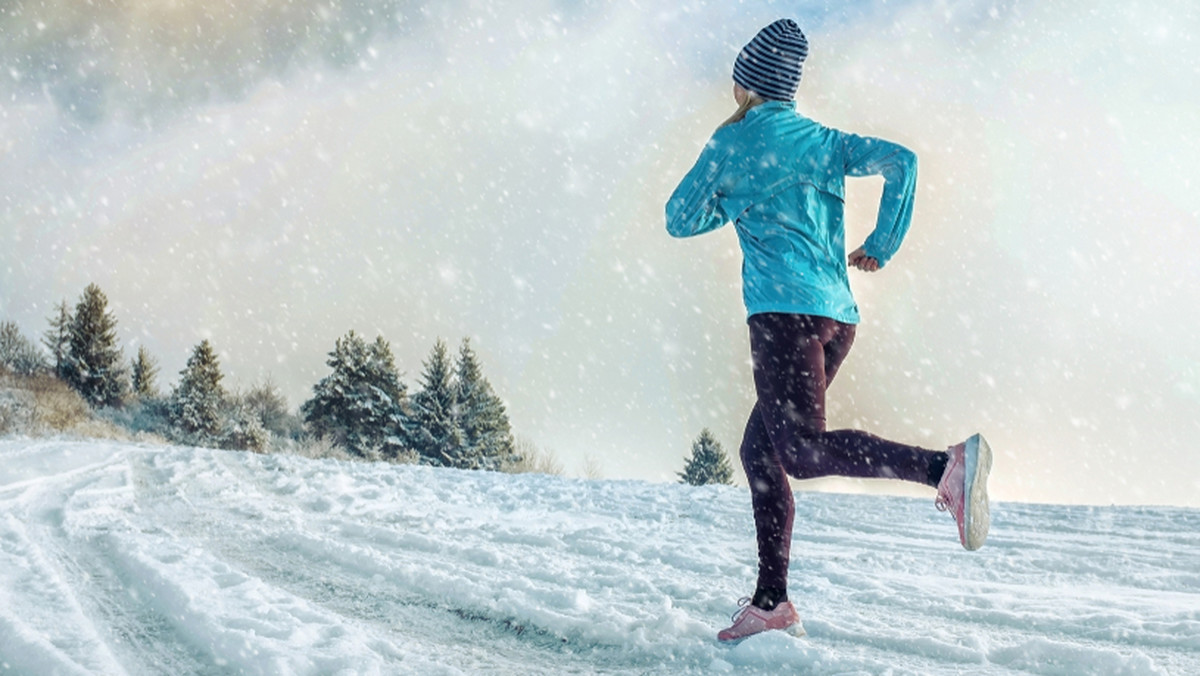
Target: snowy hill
123 559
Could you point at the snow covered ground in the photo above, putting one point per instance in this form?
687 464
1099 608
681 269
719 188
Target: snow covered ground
124 559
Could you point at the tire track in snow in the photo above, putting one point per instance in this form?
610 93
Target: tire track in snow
229 612
72 577
338 565
461 638
34 599
139 630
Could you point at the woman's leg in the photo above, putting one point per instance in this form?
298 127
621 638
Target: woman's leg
795 357
771 496
761 454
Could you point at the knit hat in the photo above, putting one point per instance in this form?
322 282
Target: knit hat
770 65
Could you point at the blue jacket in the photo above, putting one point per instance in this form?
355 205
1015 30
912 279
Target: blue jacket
780 177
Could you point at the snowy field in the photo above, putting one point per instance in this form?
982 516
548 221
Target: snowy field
122 559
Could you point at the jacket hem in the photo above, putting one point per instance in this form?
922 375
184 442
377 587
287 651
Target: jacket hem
843 317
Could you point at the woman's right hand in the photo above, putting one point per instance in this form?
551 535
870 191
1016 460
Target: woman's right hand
859 259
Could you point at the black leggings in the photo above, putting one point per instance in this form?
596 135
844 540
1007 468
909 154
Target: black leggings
795 359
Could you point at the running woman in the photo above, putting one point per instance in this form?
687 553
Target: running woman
780 178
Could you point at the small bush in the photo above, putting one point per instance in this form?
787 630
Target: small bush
43 404
96 428
592 469
529 459
16 409
406 457
148 417
318 447
57 407
267 403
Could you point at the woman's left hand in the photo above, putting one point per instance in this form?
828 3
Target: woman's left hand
860 260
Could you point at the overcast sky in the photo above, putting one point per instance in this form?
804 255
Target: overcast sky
269 175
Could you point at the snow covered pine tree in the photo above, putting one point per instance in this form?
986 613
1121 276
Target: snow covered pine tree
438 438
145 371
94 365
708 464
486 433
57 338
361 405
195 408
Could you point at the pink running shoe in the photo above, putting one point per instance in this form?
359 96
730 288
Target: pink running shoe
963 490
750 620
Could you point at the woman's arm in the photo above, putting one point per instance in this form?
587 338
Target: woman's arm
865 156
695 206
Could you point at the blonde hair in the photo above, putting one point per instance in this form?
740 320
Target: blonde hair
752 100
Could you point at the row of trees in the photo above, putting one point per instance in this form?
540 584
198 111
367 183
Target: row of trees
82 350
454 419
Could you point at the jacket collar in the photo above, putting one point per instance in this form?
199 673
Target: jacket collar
770 107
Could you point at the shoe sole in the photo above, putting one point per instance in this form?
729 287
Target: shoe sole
794 630
978 458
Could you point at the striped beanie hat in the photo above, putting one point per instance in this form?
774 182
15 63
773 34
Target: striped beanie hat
770 65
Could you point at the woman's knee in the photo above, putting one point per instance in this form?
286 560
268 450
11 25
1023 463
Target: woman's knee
803 422
804 458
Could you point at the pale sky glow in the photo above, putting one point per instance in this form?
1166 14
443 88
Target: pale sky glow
271 175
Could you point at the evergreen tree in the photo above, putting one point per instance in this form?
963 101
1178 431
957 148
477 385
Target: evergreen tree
362 403
94 365
708 464
145 373
58 337
486 433
437 436
391 415
332 411
197 402
17 353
